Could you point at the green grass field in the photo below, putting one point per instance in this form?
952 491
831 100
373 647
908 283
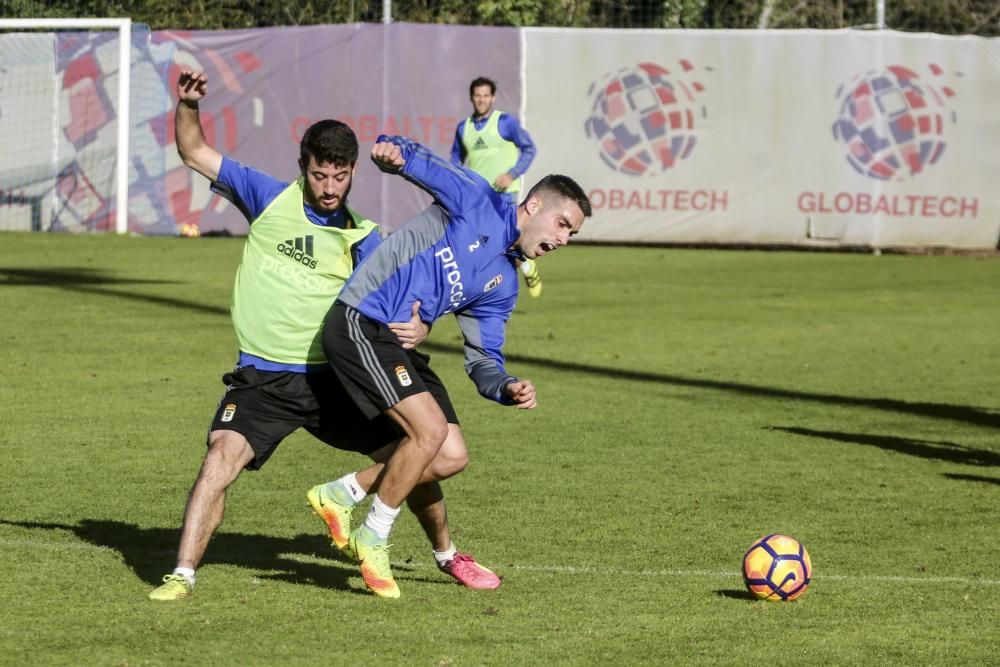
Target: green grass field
691 401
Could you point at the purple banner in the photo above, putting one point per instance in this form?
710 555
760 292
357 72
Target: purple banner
267 86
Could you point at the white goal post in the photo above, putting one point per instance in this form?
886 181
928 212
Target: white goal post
124 28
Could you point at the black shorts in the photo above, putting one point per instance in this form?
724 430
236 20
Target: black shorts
373 365
267 406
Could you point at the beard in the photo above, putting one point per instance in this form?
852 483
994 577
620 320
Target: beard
317 202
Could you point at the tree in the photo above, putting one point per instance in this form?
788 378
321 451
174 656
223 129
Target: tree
980 17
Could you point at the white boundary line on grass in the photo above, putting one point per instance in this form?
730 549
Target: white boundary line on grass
570 569
564 569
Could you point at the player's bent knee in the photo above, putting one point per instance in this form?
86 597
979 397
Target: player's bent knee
432 437
449 466
452 458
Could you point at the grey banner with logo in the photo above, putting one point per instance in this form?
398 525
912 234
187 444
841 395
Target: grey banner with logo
813 138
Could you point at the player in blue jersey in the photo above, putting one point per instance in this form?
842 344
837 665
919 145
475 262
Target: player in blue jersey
494 145
459 256
304 241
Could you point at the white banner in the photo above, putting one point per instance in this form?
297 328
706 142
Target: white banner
772 137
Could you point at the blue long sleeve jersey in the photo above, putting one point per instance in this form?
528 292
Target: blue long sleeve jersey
454 257
509 129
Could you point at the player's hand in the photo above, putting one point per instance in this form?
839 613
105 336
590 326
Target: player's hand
387 156
412 333
192 86
503 182
522 393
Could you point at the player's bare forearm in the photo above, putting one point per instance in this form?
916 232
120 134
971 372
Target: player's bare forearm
191 144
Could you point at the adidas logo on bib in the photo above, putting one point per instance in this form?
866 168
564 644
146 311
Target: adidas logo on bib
300 249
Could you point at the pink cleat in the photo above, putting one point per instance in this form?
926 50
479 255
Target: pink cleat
469 573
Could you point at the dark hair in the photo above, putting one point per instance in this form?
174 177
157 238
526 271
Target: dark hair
329 141
482 81
565 187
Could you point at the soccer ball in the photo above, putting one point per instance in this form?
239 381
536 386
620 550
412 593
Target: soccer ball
776 567
190 231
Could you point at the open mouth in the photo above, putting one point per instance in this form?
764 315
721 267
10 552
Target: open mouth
547 247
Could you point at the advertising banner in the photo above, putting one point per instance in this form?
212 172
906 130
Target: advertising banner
784 137
58 114
269 85
814 138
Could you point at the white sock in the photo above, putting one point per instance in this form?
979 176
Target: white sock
443 557
350 482
186 572
381 517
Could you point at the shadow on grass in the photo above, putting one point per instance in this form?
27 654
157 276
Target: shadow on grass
973 478
92 281
150 552
959 413
940 450
68 277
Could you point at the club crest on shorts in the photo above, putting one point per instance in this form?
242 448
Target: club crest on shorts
403 376
493 284
228 412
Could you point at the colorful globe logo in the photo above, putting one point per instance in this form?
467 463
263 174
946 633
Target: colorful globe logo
643 118
892 123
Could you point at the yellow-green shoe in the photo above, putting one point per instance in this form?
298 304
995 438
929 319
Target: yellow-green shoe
531 278
335 509
174 587
373 554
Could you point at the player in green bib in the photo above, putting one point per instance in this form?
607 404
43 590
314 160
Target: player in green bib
304 242
494 145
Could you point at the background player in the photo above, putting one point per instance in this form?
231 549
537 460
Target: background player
494 145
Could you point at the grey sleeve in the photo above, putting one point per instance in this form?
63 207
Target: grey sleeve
483 362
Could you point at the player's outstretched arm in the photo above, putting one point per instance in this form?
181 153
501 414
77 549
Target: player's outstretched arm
453 186
191 144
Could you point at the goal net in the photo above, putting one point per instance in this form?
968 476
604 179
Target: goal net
76 100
